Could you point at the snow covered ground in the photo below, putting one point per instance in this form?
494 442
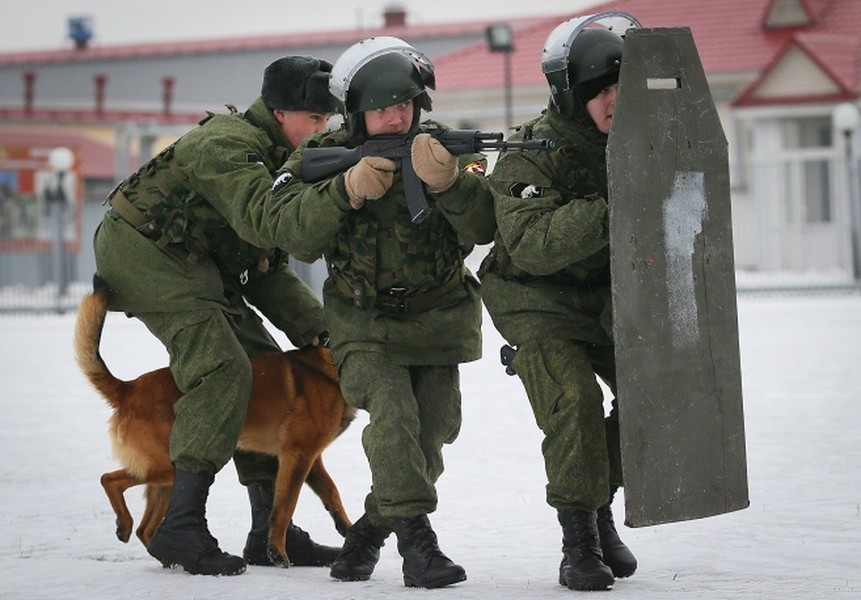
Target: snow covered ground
799 539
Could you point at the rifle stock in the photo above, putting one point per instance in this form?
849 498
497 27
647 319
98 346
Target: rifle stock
319 163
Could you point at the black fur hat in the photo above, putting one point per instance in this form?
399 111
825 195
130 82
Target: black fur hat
298 83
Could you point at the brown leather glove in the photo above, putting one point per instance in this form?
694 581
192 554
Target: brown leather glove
434 165
369 179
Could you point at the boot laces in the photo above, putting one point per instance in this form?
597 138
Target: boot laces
605 520
583 528
581 534
424 538
363 537
299 534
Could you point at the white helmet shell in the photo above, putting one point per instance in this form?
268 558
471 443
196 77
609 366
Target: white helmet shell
361 53
557 47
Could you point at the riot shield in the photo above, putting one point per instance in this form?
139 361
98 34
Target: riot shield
674 295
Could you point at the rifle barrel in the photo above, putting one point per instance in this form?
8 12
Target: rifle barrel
523 145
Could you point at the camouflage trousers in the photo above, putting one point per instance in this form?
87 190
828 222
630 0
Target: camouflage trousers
414 411
581 451
210 364
208 338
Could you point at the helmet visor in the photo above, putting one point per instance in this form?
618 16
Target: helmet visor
557 47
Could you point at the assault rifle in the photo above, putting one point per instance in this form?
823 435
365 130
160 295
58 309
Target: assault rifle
320 162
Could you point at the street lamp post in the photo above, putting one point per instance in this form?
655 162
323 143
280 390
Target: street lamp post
501 39
846 119
60 160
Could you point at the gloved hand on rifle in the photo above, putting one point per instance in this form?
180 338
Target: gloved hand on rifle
369 179
434 165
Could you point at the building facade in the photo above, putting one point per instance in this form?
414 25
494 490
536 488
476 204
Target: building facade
778 70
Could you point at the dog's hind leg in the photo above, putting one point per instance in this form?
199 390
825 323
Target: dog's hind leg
321 482
157 499
115 484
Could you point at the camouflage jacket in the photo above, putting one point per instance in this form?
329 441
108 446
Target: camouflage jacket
548 272
202 200
377 249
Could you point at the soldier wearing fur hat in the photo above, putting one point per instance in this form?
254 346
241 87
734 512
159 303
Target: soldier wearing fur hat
185 251
546 285
403 309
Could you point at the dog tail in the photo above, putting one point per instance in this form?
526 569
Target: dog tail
88 335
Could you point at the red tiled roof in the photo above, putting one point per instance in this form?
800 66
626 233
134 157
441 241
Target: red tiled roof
476 67
729 34
731 38
837 55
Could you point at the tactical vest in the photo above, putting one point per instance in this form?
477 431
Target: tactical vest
432 255
429 254
159 203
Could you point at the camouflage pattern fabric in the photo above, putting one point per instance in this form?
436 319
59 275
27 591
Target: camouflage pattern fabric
378 247
551 252
399 366
580 447
546 285
421 402
191 281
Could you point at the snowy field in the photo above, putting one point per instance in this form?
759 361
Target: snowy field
799 539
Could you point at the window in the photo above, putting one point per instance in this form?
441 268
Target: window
811 132
803 139
817 191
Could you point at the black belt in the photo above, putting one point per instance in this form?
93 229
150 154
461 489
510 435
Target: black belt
396 300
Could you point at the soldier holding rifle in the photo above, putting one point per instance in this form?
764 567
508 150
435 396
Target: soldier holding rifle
402 309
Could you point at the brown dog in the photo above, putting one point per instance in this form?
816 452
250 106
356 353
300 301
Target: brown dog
296 410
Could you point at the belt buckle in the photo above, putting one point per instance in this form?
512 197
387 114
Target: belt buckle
392 300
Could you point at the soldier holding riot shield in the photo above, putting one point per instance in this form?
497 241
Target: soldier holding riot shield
546 285
614 261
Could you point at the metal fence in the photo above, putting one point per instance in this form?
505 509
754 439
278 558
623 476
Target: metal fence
45 255
47 263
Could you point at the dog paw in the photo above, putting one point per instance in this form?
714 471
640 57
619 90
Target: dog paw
124 532
278 559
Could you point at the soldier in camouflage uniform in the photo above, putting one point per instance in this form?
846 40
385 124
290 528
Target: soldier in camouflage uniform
403 311
183 250
546 285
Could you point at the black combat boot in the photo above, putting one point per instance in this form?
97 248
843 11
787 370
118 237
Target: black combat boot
582 567
424 564
183 537
302 550
361 551
256 551
305 552
617 555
